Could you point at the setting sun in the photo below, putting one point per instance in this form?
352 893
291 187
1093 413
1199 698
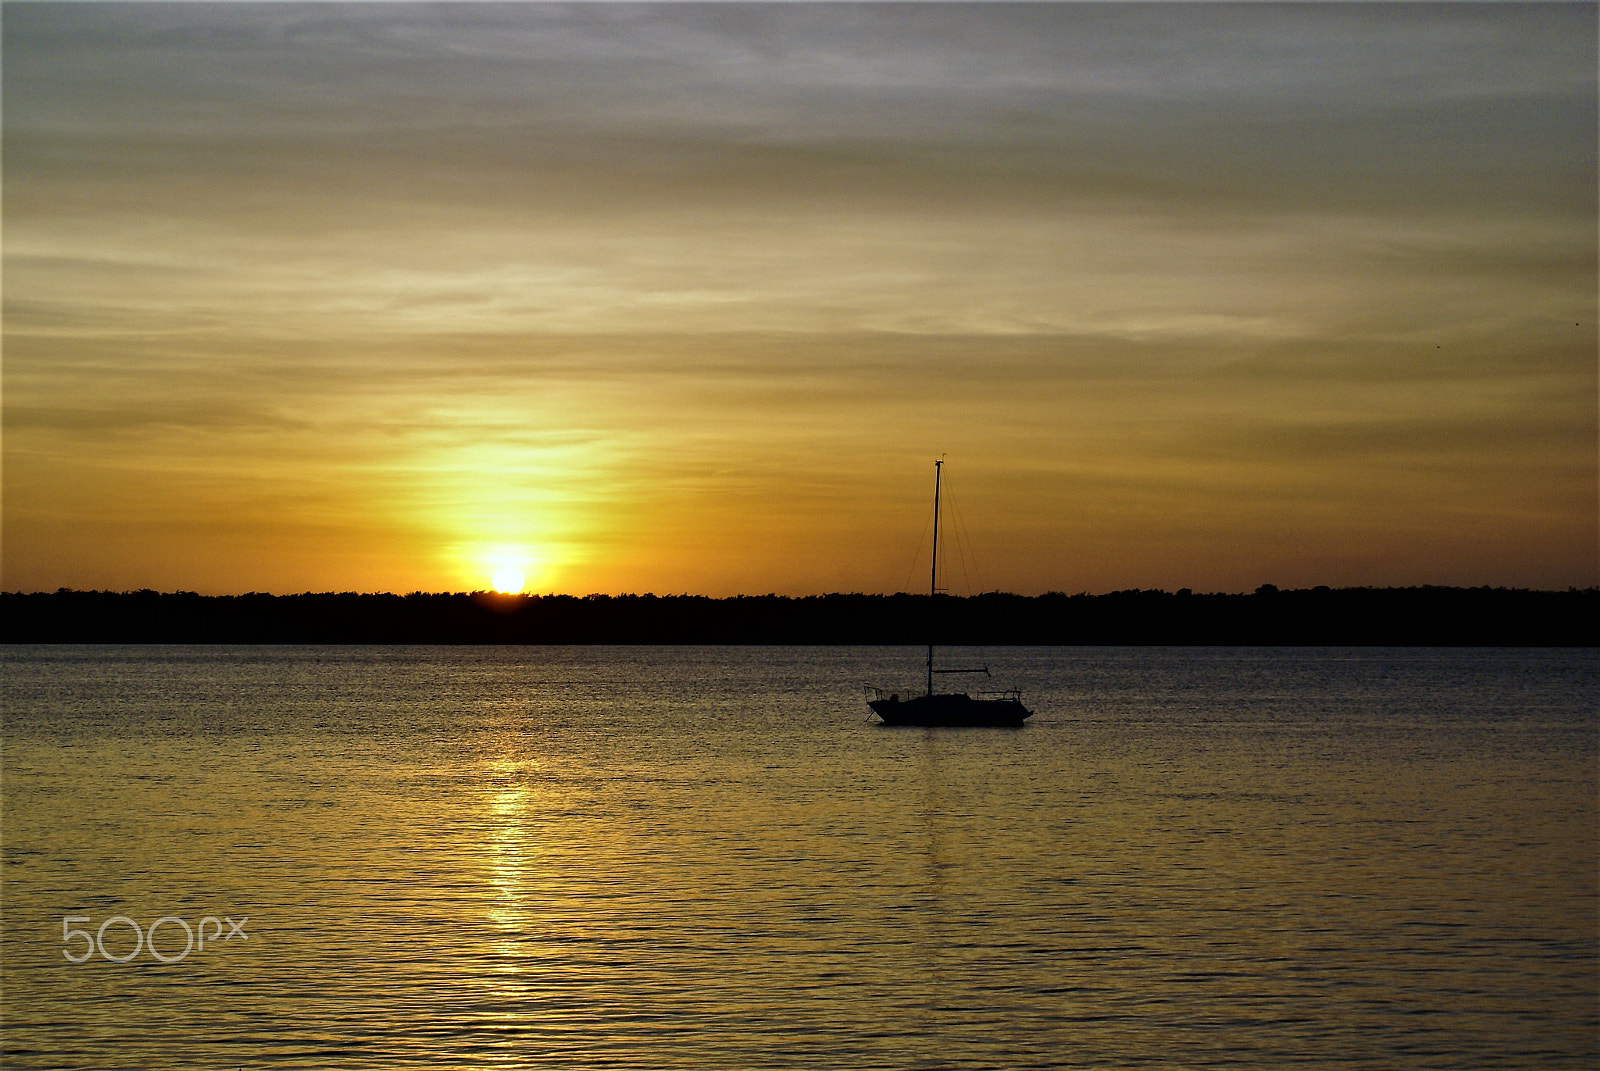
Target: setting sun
508 580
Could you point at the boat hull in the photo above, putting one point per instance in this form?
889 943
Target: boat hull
958 709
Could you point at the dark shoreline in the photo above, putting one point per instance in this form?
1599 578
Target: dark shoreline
1418 616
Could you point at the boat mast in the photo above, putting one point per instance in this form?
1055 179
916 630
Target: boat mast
933 572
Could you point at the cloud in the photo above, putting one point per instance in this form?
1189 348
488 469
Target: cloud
608 272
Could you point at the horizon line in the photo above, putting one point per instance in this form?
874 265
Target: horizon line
1263 589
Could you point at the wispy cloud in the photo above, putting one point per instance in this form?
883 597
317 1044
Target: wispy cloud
606 273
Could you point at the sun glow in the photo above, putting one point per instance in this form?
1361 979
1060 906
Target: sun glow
501 568
508 580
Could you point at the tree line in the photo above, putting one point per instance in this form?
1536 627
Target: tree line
1267 616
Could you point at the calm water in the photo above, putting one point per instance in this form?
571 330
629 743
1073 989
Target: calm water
705 857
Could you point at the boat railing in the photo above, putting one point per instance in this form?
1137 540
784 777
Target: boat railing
874 694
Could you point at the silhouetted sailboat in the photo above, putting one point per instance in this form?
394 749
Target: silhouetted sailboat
950 708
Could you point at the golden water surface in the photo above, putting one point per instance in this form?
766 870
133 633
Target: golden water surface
706 857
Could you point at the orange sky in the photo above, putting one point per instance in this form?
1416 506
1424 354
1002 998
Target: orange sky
687 299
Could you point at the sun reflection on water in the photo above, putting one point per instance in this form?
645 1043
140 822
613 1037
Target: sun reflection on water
510 849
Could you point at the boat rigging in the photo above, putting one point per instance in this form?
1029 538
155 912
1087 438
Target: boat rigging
950 708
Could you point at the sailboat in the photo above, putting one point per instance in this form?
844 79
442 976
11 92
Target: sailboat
947 708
